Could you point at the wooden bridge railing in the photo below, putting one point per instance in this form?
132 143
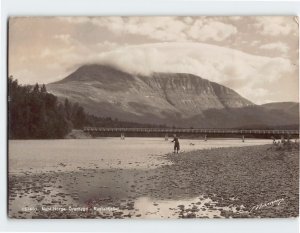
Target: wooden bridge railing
202 131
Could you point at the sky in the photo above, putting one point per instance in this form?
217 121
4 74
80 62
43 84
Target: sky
255 56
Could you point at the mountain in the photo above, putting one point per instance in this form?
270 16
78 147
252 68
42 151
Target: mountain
162 98
287 107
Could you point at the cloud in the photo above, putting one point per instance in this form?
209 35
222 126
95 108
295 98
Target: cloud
275 26
235 18
63 37
240 71
107 45
259 94
254 42
213 30
167 57
159 28
164 28
47 49
188 20
279 46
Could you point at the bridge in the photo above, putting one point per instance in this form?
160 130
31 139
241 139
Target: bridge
165 132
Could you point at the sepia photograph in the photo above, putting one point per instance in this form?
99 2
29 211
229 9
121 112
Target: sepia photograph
153 117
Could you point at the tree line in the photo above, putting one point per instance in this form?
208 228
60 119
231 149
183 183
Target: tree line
33 113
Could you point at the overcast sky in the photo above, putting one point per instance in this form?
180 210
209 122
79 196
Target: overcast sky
255 56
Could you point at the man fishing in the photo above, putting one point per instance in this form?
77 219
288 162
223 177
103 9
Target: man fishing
176 144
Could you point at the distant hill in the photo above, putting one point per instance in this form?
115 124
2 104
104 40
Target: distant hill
291 108
178 99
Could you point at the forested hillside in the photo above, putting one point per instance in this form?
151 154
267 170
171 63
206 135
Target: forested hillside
36 114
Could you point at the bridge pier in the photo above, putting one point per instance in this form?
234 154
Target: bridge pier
166 137
282 139
122 136
243 138
205 137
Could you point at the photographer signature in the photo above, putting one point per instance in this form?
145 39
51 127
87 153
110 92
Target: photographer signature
267 204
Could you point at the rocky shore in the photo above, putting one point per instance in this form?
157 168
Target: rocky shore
241 182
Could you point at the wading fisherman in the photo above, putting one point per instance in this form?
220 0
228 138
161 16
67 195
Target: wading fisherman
176 144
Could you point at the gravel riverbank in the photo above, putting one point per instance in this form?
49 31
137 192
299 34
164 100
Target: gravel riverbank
240 182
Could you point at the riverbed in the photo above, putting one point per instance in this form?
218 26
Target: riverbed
142 178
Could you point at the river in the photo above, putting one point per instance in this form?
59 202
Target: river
104 153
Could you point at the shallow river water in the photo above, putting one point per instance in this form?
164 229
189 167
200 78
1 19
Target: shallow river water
69 154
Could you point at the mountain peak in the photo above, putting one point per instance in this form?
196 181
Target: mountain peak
96 72
96 68
170 98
